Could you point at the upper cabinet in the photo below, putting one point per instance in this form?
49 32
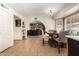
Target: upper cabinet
68 23
75 18
72 23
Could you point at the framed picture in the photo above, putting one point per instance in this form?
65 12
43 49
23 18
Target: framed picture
17 21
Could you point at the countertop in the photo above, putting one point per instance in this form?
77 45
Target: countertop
74 37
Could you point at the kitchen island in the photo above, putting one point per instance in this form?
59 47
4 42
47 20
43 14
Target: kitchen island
73 45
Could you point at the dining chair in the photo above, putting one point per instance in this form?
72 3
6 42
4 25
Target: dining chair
62 40
45 39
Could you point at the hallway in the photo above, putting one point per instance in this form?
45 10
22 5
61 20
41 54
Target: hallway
31 47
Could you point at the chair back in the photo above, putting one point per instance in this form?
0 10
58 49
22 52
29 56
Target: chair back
62 36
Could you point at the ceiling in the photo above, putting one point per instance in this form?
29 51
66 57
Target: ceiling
35 9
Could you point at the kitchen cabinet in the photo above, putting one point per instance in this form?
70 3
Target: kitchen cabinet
73 45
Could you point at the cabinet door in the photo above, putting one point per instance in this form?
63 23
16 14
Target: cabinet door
73 47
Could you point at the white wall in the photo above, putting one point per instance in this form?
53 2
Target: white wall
6 29
17 30
48 22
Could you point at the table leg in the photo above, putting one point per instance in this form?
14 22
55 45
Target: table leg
59 47
50 42
43 42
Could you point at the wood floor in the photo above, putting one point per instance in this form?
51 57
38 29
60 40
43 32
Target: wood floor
32 47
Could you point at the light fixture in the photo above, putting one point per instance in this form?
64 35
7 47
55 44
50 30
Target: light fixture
51 11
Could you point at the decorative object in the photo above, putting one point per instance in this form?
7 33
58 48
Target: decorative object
23 25
23 31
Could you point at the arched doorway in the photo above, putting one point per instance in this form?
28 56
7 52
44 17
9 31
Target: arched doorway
36 28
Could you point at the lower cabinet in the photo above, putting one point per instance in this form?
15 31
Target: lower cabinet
73 47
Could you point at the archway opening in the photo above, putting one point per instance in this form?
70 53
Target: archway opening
36 28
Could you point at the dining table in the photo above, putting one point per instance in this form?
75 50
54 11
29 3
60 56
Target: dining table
56 39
